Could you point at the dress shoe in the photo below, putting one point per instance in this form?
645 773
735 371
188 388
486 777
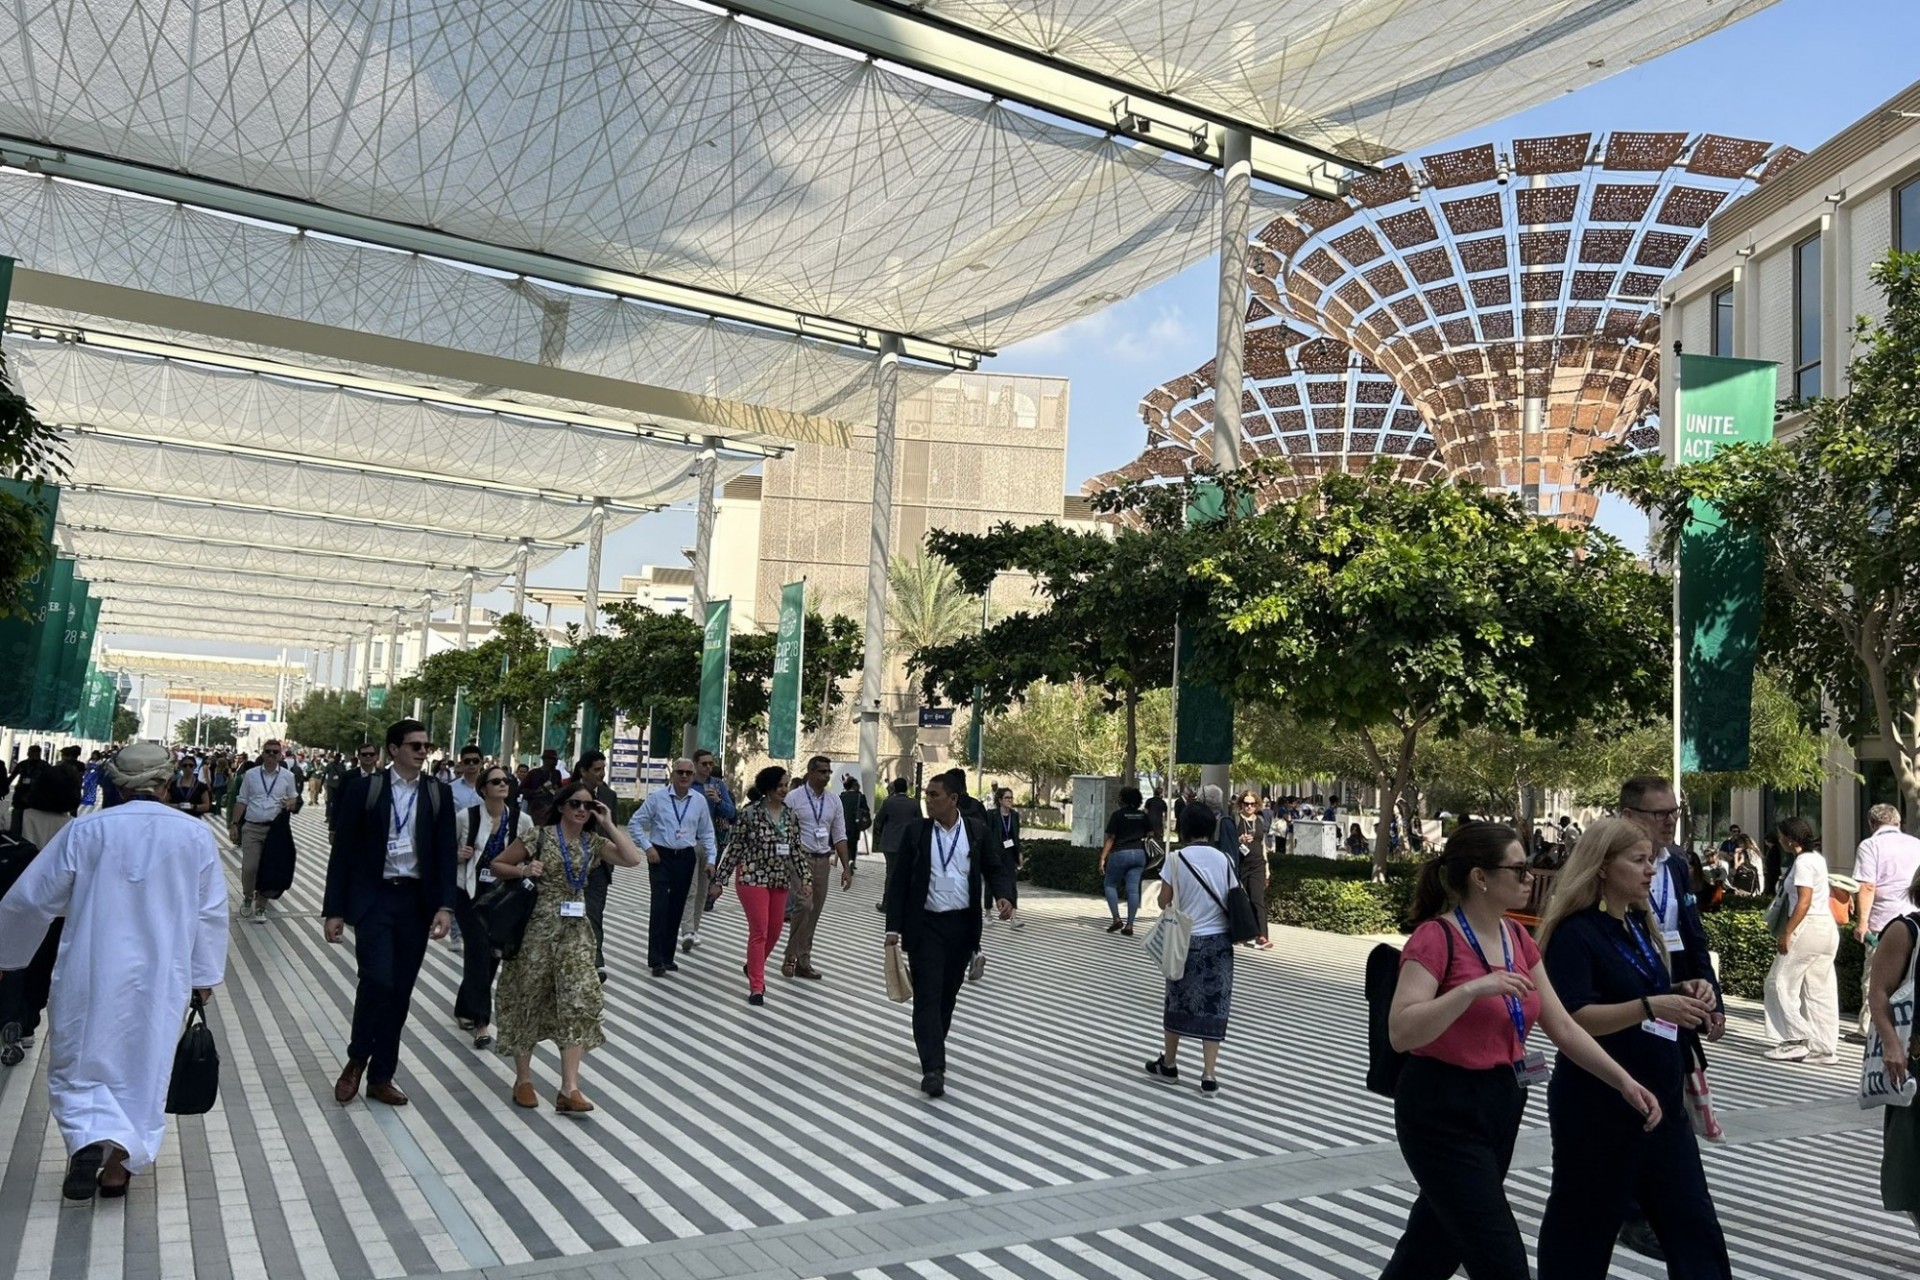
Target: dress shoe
787 968
83 1172
934 1084
1638 1236
347 1087
673 966
388 1092
574 1103
658 970
809 972
756 998
524 1096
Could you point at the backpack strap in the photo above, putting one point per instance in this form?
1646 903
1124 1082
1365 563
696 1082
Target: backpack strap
473 823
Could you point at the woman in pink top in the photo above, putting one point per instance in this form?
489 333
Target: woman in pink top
1471 989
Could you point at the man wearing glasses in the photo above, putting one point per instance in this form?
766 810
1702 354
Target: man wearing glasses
466 778
1649 803
674 829
391 876
266 791
823 838
720 808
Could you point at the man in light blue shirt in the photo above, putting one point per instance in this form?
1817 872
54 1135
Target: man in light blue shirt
721 807
674 829
465 794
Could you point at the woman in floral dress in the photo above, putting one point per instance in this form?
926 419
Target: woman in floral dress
550 990
765 849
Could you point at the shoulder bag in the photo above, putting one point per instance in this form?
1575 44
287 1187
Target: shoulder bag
1875 1089
899 977
506 909
1169 939
196 1066
1242 924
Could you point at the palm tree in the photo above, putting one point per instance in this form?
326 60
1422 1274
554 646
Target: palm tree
926 604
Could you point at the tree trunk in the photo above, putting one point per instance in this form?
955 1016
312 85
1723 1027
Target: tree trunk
1393 782
1129 773
1900 730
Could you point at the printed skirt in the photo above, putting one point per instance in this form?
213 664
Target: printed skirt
1199 1003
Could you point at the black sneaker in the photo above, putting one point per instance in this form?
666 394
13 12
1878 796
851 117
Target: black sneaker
1159 1069
1209 1086
757 997
934 1084
672 967
11 1053
658 971
1115 927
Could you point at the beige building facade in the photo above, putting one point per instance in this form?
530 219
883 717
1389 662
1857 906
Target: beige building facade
1785 273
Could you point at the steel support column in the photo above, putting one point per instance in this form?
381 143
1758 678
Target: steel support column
393 649
365 674
879 547
466 614
705 472
426 630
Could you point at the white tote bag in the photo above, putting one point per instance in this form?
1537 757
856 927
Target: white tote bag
1875 1089
1168 940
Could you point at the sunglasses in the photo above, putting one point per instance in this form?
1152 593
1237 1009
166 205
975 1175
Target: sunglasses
683 773
417 746
579 804
496 781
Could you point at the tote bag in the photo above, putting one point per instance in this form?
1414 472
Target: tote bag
1169 940
899 979
1875 1089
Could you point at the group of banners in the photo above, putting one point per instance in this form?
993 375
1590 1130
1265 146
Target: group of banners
48 683
789 658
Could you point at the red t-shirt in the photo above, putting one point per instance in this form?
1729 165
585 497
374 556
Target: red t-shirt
1483 1036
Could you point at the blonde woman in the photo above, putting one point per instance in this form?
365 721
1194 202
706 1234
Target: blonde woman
1605 959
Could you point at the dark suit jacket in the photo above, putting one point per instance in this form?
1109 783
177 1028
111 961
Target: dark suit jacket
998 833
913 869
1694 959
358 861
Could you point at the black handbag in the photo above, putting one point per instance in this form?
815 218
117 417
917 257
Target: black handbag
504 911
1156 851
196 1067
1242 924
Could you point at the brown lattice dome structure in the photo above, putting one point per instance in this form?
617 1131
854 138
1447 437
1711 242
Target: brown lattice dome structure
1511 297
1309 399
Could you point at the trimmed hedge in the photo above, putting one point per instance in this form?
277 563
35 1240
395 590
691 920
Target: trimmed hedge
1738 935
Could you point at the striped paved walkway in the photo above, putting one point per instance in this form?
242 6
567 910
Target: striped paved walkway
790 1141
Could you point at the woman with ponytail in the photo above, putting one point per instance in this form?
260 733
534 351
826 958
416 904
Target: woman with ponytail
1472 986
1612 1147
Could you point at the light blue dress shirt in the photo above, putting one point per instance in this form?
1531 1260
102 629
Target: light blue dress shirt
668 821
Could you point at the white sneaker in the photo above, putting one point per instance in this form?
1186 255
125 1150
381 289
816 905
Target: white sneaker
1823 1059
1787 1053
976 967
1017 920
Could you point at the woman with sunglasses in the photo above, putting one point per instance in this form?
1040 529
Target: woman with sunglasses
1248 852
765 849
1472 986
549 990
485 831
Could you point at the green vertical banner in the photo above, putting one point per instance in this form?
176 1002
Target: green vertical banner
462 720
1720 402
79 648
789 653
377 698
493 726
50 648
716 649
20 635
1203 714
556 718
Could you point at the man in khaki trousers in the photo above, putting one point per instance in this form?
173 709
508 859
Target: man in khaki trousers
823 838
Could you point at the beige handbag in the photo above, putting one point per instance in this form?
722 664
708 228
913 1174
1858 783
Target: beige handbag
899 979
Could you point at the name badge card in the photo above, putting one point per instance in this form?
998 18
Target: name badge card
1661 1027
486 875
1531 1069
573 910
1673 940
1006 844
783 851
400 846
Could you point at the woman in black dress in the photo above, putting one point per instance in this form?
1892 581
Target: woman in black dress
1606 959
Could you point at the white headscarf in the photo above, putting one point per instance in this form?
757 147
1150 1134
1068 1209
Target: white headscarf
142 766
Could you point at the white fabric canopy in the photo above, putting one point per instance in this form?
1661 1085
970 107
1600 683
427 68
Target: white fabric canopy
194 539
186 578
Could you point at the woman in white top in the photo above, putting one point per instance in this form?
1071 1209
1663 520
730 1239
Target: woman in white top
484 831
1198 877
1803 1002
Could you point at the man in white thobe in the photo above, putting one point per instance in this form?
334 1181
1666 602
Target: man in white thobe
145 902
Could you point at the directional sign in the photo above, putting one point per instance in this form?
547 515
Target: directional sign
936 717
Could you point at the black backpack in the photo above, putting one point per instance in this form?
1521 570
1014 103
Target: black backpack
1384 1062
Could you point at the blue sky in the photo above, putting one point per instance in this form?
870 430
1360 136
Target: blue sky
1797 73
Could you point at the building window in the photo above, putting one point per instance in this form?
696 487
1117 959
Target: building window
1722 322
379 654
1906 217
1806 318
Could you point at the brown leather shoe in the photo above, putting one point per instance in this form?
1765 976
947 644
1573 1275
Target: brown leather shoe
574 1103
347 1087
524 1096
808 971
385 1091
787 969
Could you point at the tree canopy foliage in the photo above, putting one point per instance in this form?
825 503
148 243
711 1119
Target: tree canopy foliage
210 731
30 450
1837 509
336 720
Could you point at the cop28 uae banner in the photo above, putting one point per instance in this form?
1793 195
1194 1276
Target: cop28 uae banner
789 651
715 650
1720 402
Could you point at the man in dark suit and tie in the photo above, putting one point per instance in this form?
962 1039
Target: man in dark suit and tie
943 869
390 876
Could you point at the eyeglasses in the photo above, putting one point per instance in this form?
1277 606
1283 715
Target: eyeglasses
579 804
683 773
1521 870
1655 813
367 751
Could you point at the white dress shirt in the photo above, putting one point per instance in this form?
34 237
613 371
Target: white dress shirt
403 855
261 791
823 820
1887 860
952 862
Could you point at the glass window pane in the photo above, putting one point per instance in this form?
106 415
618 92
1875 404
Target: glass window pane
1806 282
1723 322
1906 218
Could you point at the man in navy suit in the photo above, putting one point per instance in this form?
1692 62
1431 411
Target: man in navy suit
1648 802
938 883
390 876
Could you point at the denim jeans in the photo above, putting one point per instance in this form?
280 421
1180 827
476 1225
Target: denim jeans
1125 865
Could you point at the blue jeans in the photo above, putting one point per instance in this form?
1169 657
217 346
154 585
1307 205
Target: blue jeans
1125 865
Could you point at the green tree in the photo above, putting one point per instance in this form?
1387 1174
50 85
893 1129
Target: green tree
33 451
833 651
1391 611
1108 618
926 603
1837 510
510 667
1056 731
336 720
126 724
218 731
644 663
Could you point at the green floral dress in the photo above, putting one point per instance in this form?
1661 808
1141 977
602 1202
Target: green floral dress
550 990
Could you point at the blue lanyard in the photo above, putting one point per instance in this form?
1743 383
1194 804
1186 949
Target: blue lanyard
1642 957
400 820
946 854
1516 1012
679 811
1660 901
815 803
1006 824
497 841
576 883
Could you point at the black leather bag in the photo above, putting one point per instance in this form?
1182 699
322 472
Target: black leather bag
504 911
1243 924
196 1067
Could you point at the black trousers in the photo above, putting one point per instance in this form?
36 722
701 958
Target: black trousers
938 960
23 993
1602 1160
389 943
1456 1129
668 882
478 964
599 880
1253 877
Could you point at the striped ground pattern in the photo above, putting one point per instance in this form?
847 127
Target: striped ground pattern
715 1118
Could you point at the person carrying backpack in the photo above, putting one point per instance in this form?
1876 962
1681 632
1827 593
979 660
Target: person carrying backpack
1471 987
859 815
